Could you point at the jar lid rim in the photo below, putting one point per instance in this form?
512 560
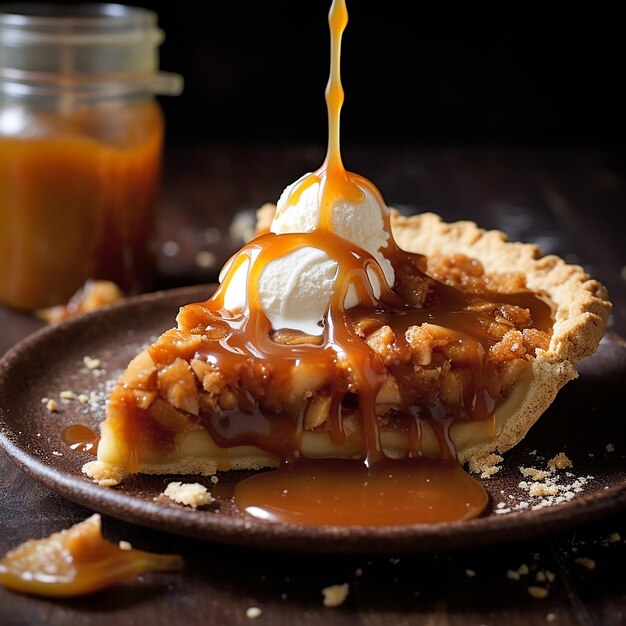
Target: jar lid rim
35 14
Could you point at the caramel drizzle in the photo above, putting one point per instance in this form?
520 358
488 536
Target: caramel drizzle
247 335
260 371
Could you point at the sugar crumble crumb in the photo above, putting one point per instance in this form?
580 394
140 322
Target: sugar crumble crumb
52 406
586 562
83 398
470 573
253 612
190 494
124 545
550 576
523 570
486 465
214 479
55 453
91 363
610 447
540 577
358 571
105 474
512 574
550 617
560 461
541 489
335 595
66 394
534 474
614 538
538 592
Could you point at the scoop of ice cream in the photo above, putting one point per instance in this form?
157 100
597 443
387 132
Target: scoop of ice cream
296 289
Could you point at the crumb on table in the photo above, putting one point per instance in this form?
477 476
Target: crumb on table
335 595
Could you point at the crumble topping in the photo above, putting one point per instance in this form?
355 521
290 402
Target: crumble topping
52 406
538 592
560 461
335 595
105 474
190 494
486 465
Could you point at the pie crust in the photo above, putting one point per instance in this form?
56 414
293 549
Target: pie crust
581 312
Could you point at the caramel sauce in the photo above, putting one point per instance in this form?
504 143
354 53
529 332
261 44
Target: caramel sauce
81 438
346 493
75 562
261 372
78 203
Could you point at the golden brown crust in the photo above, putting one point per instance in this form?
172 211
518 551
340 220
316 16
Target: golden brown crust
582 311
582 303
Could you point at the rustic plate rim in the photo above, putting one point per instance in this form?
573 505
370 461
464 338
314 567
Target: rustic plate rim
253 533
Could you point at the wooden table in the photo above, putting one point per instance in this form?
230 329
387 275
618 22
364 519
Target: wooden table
569 201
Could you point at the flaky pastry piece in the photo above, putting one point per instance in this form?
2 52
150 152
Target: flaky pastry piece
174 394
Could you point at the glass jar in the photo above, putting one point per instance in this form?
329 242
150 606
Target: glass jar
81 136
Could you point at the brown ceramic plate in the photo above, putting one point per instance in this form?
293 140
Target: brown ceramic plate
582 422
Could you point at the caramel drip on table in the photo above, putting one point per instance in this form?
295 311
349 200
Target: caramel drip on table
77 561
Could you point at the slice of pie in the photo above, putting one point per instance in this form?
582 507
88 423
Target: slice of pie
461 359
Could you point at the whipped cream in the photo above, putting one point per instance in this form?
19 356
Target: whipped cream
295 290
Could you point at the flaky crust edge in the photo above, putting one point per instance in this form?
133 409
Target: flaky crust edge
582 311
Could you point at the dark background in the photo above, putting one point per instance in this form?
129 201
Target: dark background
414 72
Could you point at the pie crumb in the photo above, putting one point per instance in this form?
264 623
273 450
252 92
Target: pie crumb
253 612
522 570
486 465
124 545
533 473
610 447
214 479
335 595
52 406
551 617
66 394
614 538
560 461
191 494
587 563
470 573
512 574
538 592
541 489
91 363
105 474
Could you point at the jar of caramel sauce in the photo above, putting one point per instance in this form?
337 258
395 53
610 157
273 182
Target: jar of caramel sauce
81 135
